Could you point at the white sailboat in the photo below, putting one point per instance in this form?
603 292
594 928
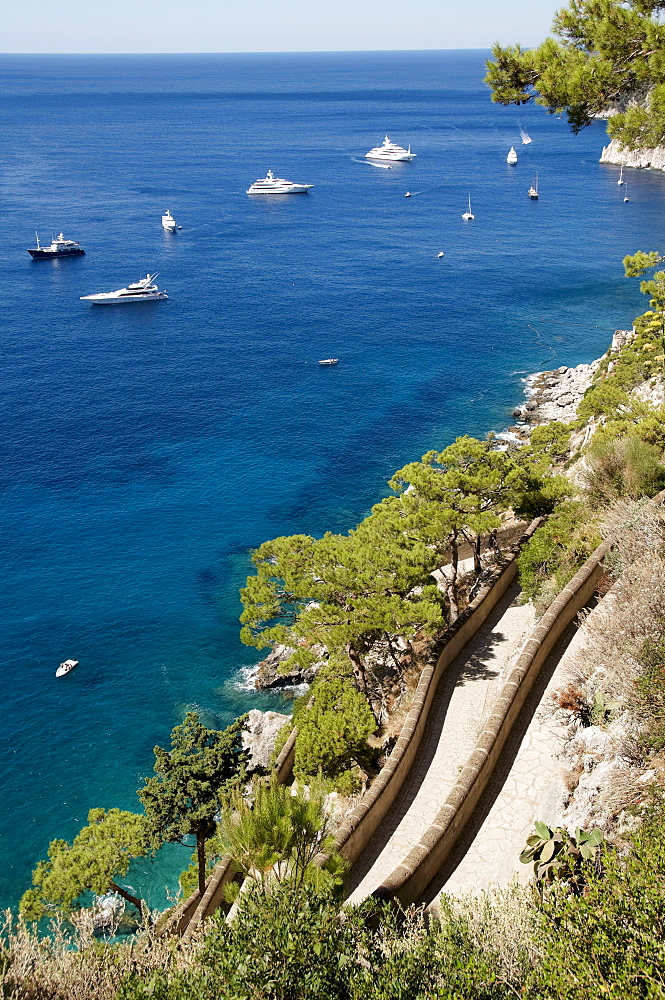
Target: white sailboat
625 194
526 138
621 180
533 190
468 214
512 156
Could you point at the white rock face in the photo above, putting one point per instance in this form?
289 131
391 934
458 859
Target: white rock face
642 159
259 738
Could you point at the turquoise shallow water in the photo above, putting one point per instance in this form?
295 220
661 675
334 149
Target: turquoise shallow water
144 451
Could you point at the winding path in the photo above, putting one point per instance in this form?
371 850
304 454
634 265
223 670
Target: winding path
462 701
527 785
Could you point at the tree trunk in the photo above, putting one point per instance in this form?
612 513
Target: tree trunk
452 578
358 669
477 565
361 679
134 900
201 858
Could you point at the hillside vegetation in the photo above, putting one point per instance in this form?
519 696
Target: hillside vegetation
364 609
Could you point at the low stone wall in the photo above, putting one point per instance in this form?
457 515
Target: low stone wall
357 830
410 880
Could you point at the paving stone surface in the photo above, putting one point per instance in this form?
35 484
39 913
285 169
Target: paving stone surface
528 784
462 702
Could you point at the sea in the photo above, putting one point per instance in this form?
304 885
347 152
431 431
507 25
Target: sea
146 450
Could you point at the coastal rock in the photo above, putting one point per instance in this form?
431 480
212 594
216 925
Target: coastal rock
260 735
555 395
268 674
640 159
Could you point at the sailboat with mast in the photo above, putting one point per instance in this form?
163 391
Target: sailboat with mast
533 190
621 180
468 214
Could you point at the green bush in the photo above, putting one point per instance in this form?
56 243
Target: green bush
557 549
610 941
622 467
333 730
650 694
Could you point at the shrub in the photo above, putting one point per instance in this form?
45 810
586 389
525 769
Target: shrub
557 549
623 467
333 730
610 941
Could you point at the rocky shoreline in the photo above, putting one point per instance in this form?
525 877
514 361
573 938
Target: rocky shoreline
550 395
640 159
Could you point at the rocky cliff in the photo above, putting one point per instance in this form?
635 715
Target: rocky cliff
642 159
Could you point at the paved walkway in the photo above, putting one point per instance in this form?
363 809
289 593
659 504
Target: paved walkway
527 785
463 700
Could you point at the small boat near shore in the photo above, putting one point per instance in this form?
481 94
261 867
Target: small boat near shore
66 667
329 361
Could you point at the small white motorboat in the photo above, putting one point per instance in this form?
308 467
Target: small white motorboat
408 194
66 667
329 361
440 254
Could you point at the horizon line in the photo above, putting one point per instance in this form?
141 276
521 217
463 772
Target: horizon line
250 52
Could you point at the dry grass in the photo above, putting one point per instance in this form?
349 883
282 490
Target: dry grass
504 923
70 963
634 611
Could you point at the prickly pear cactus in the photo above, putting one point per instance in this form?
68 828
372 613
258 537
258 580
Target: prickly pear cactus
558 855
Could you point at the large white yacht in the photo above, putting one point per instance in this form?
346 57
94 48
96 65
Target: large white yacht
390 151
141 291
169 223
277 185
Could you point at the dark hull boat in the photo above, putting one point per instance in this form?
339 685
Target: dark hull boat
59 247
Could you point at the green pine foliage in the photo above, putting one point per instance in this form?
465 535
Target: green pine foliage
99 855
190 781
334 728
557 549
275 834
603 54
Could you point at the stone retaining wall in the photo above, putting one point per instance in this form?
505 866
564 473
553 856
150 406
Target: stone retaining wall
357 830
410 880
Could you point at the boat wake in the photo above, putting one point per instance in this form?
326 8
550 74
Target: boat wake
370 163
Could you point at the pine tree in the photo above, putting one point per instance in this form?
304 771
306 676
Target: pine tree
190 781
604 55
100 854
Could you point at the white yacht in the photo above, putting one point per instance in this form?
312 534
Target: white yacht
390 151
512 156
141 291
169 223
277 185
66 667
329 361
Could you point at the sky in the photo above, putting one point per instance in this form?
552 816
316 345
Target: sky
70 26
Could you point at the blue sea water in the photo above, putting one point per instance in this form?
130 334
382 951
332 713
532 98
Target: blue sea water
145 450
